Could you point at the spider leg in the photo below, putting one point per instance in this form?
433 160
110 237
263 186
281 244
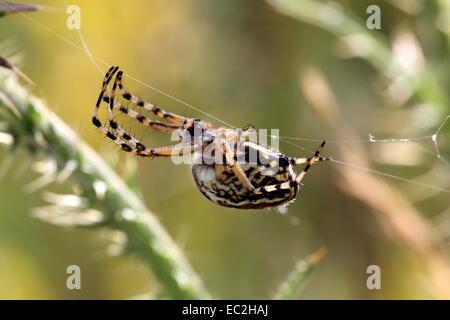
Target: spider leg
106 80
297 161
220 170
242 133
315 158
120 131
236 167
173 118
125 140
138 148
160 126
96 121
293 183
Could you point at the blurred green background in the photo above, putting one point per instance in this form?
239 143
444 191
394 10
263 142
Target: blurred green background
247 62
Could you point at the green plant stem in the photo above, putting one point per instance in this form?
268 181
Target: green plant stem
41 132
290 288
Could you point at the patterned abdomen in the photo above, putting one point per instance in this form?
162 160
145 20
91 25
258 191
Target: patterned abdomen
229 192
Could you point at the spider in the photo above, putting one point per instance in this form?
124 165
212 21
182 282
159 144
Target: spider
228 173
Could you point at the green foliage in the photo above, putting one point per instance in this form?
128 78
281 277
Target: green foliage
32 126
297 278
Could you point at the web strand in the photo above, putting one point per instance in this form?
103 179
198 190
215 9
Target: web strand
389 175
434 137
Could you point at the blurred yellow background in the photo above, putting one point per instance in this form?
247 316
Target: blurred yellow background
246 63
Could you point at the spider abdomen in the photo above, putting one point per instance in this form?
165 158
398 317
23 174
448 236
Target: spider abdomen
229 192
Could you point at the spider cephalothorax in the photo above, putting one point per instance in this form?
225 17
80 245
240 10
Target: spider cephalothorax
229 168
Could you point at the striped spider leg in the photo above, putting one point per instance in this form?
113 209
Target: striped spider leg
231 159
173 118
294 183
127 142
